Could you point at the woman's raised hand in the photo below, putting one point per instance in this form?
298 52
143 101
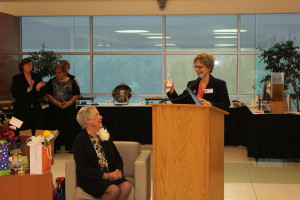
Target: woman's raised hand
169 85
39 85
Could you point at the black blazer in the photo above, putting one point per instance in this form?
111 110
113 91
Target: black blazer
219 98
25 102
89 173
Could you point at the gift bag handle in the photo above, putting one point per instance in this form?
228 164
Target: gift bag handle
48 152
28 139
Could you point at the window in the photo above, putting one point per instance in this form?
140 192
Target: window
130 49
192 33
263 31
59 34
142 73
127 33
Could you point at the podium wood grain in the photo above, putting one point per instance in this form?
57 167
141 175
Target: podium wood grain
188 152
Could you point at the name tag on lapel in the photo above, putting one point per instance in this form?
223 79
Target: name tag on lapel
209 91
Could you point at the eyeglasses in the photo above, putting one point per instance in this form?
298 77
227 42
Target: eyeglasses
198 67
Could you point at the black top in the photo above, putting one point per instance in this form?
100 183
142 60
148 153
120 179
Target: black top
25 102
218 97
89 173
73 78
62 91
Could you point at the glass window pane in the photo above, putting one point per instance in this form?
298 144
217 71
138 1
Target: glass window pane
142 73
247 100
260 73
247 74
127 33
191 33
80 67
252 72
59 34
180 69
263 31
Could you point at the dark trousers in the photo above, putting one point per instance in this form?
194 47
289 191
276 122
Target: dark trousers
64 120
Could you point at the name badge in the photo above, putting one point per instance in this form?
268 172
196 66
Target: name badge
209 91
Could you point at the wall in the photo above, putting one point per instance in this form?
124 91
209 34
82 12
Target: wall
9 53
146 7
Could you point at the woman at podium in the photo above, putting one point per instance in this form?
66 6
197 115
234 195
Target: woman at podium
208 89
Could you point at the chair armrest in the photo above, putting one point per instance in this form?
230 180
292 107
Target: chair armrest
70 181
142 175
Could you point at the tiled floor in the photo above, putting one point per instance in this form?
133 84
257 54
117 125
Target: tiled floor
266 179
244 178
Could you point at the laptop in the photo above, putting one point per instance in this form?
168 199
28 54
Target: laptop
194 97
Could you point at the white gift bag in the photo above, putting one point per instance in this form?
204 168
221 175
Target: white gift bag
40 159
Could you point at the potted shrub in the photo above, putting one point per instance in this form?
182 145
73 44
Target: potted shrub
283 57
44 62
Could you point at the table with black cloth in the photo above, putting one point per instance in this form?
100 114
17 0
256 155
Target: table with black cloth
264 135
127 122
236 126
274 136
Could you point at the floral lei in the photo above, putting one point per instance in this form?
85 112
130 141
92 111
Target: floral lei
103 134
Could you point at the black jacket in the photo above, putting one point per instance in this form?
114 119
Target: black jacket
219 98
89 174
25 102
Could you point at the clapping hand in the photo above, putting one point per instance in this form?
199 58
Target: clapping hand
30 86
39 85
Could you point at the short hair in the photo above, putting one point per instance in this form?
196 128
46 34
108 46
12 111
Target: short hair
63 68
24 62
65 63
84 113
206 59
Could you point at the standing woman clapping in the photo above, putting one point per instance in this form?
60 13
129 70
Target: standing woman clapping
26 89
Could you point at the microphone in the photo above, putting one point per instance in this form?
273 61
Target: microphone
195 81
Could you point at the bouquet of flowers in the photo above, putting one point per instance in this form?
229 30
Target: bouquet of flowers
7 134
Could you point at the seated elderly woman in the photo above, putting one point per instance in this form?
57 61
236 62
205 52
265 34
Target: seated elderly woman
99 165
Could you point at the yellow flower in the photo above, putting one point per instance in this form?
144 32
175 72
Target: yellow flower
46 133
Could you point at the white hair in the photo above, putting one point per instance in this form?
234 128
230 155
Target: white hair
84 113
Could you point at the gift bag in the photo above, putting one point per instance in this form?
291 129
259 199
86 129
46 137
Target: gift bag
4 158
40 159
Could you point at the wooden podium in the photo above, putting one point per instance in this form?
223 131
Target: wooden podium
188 152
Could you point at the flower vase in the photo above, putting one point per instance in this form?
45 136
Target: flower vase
4 156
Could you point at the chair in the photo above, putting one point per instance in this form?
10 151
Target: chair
137 169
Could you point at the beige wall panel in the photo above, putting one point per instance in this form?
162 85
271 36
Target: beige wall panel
146 7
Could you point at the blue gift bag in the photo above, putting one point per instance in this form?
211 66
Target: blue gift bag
4 156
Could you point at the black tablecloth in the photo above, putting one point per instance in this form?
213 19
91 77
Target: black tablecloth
264 135
274 136
236 126
128 123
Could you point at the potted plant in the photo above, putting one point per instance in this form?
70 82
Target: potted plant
283 57
44 62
